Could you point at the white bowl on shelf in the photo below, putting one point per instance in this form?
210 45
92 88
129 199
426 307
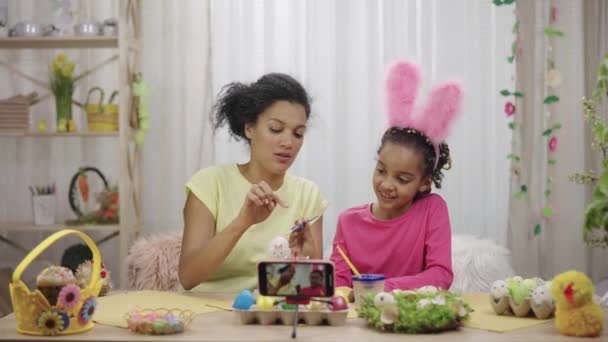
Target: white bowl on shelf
27 29
90 29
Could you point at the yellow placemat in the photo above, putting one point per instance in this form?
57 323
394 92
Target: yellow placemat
112 309
485 318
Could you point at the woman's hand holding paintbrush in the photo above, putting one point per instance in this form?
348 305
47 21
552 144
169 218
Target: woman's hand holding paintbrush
301 239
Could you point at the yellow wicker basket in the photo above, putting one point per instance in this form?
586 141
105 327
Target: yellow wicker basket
100 117
34 314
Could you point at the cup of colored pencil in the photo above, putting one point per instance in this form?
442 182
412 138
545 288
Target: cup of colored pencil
363 284
43 203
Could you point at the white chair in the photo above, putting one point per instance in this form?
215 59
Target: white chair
477 263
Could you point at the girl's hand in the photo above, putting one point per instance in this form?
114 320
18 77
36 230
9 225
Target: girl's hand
259 204
302 241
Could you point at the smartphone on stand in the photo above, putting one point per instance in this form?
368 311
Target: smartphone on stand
296 279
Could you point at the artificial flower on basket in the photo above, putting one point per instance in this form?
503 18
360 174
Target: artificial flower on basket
62 85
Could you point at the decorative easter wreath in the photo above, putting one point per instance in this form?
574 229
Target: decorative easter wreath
77 194
91 198
425 310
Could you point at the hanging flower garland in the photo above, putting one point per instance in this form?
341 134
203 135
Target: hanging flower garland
553 80
512 101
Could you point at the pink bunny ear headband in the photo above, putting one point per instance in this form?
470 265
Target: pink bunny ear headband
434 119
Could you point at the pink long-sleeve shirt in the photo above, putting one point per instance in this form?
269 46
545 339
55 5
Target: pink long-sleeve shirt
412 250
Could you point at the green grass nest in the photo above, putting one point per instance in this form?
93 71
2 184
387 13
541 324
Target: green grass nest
414 319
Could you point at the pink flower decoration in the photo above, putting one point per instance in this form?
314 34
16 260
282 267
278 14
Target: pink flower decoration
509 108
553 144
554 14
69 296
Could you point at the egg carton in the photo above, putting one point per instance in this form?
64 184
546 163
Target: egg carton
505 305
287 317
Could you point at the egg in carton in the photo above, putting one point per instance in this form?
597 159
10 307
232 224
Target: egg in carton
499 297
266 310
542 302
522 297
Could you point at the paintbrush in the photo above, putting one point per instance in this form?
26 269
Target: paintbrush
301 225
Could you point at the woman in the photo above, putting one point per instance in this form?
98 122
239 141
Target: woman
233 211
282 285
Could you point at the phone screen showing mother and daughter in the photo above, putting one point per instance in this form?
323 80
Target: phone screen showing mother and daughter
296 278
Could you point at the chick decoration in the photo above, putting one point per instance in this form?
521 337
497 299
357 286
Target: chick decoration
42 126
576 312
71 127
62 125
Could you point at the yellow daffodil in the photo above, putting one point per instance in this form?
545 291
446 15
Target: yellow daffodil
56 65
70 68
62 85
66 71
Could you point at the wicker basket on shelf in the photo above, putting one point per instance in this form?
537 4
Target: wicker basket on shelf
101 117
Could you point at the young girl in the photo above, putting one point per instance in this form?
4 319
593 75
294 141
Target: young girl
233 211
405 235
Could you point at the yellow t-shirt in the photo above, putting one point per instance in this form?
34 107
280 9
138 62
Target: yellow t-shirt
287 289
223 189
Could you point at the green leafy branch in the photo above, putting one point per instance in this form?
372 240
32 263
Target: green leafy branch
551 99
595 227
502 2
549 32
549 131
515 31
514 157
506 92
523 189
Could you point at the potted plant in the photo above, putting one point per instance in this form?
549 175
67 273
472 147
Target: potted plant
595 227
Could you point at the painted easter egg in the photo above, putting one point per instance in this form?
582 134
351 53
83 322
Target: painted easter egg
531 283
499 289
278 248
384 299
338 303
286 306
244 300
315 306
429 289
342 292
265 303
542 295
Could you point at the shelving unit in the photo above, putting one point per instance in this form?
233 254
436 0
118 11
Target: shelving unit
59 134
65 42
111 230
128 64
